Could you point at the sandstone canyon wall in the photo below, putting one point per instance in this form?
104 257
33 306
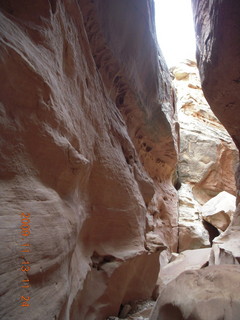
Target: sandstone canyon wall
217 27
212 291
207 158
88 151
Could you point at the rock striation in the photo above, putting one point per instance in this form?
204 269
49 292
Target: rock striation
207 160
88 150
218 43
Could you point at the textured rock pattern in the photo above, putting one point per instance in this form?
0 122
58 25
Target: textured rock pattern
218 44
208 156
209 293
138 101
88 149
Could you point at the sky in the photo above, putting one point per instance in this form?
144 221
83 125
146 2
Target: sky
175 30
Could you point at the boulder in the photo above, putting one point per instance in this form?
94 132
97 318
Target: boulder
192 235
226 248
219 210
186 260
209 293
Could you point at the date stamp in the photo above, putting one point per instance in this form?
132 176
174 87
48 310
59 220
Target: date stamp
25 250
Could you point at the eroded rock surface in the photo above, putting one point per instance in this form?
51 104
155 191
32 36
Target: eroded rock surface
208 156
88 149
218 44
210 293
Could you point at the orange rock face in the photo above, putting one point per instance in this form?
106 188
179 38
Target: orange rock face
88 150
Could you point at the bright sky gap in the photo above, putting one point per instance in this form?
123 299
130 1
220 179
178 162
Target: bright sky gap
175 30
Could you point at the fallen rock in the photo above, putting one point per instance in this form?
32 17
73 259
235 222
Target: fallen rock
209 293
186 260
192 236
226 247
219 210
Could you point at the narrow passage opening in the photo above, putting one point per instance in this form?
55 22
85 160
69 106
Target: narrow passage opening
175 30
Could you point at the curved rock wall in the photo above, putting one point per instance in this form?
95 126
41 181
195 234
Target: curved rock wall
218 45
88 151
207 159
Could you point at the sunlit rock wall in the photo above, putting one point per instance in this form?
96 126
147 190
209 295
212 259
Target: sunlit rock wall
88 151
207 160
217 27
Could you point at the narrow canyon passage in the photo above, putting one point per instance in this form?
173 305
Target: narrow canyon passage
118 195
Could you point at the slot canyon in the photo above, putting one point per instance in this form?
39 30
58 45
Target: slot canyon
120 177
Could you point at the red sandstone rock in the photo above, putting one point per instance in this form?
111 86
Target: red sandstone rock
88 149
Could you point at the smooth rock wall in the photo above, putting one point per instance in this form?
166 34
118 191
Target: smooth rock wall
88 150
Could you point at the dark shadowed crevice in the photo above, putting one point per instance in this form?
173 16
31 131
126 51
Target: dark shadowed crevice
169 311
212 231
53 4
